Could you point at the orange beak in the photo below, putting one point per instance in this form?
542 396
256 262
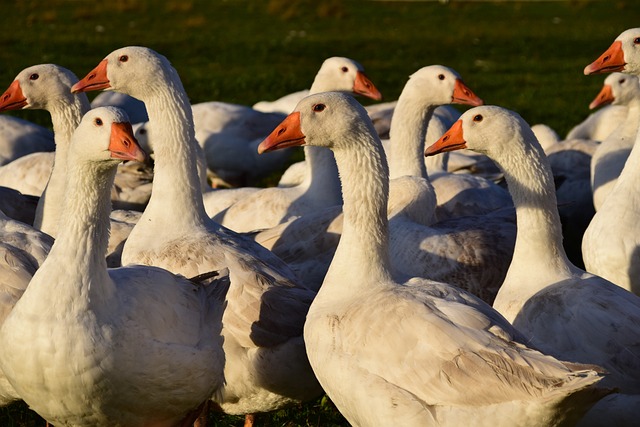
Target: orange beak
463 95
611 60
365 87
123 144
603 98
452 140
287 134
96 80
12 98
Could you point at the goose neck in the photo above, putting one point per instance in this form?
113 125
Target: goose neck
408 131
363 249
322 180
77 260
538 247
176 184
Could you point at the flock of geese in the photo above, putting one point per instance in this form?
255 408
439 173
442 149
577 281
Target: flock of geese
409 294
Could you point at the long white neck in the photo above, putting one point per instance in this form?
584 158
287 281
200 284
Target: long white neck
362 253
65 117
539 258
408 131
176 199
76 264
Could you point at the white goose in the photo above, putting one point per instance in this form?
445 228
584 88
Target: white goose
614 227
411 352
133 346
611 155
266 364
48 87
561 309
458 194
319 189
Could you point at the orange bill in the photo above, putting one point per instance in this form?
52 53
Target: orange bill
603 98
611 60
96 80
463 95
123 144
365 87
287 134
12 98
452 140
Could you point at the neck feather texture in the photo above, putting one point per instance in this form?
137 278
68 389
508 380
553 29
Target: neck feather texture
176 198
539 258
361 258
76 265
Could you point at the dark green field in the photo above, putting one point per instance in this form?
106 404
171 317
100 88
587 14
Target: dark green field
526 56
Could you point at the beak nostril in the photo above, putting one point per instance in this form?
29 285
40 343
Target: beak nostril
606 58
281 131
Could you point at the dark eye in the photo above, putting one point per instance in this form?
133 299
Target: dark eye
441 76
123 58
621 81
477 118
34 76
636 40
345 69
319 108
142 131
98 121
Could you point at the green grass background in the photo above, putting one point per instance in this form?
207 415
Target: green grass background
526 56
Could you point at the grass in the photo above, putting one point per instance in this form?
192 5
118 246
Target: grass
526 56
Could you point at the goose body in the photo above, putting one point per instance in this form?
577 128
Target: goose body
611 155
89 346
265 361
20 137
561 309
406 362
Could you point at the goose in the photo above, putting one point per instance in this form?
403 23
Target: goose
28 174
458 195
429 353
18 206
89 346
616 259
319 189
599 125
561 309
47 87
610 157
266 366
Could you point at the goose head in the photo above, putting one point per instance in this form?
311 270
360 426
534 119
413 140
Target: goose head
623 55
618 89
133 70
39 87
439 85
486 129
320 120
105 136
346 75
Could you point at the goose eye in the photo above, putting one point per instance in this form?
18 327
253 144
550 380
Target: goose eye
142 131
621 81
98 121
345 69
34 76
636 40
123 58
477 118
441 76
319 108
